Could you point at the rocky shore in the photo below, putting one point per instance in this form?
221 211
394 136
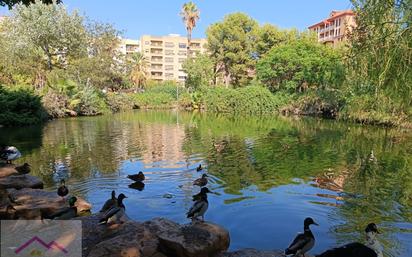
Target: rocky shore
158 237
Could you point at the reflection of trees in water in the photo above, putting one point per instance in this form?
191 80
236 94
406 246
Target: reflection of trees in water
241 152
338 157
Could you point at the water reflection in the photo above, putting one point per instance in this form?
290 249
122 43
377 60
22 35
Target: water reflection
271 172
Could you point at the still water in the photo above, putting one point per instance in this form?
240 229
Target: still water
270 173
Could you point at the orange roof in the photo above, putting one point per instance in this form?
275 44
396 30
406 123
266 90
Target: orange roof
332 17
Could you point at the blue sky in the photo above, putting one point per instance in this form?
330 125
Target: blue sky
138 17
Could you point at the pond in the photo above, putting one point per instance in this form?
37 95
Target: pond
270 172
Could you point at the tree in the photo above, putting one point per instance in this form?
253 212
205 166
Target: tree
380 54
269 36
138 69
199 71
47 30
103 65
231 45
11 3
190 15
301 64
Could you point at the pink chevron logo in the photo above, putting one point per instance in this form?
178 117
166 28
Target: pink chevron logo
48 246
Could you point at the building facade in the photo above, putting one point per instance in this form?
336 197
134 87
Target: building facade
335 29
129 46
166 54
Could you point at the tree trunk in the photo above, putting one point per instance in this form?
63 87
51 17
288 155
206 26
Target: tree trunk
49 57
189 41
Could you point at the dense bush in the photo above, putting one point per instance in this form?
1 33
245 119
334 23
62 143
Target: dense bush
153 100
300 65
249 100
20 107
119 101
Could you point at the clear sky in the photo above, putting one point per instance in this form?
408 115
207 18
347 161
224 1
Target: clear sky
137 17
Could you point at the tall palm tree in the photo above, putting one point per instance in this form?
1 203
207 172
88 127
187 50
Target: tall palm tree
138 72
190 15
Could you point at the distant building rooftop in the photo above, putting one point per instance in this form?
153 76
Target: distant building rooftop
333 15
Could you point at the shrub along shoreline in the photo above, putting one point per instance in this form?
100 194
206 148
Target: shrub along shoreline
22 106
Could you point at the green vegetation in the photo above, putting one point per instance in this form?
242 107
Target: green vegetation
20 107
379 87
76 69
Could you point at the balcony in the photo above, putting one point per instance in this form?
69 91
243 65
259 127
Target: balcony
156 67
156 43
132 48
156 74
155 51
195 45
156 59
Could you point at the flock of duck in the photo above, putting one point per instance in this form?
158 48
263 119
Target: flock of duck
113 211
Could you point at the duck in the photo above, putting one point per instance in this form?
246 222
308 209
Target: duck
303 242
201 181
201 205
62 191
139 177
372 248
23 169
110 202
199 168
115 213
66 213
9 153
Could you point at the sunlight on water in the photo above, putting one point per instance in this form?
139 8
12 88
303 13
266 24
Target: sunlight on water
270 173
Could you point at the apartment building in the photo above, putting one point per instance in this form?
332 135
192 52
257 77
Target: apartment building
166 54
129 46
335 29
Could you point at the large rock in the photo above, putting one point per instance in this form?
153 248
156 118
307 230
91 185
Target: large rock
130 239
198 240
252 253
155 238
30 203
20 181
7 170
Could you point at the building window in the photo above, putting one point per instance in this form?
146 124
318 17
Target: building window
169 75
182 77
169 67
169 59
182 60
169 52
146 42
182 45
182 53
169 44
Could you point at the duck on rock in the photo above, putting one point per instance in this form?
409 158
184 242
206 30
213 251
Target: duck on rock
201 181
23 169
66 213
110 202
372 248
116 213
201 205
62 190
9 153
303 242
139 177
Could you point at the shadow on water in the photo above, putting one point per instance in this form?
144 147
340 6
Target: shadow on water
29 137
270 172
